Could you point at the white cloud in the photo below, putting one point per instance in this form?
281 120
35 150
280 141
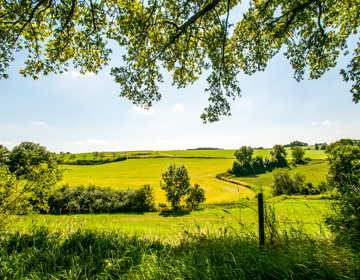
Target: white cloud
143 110
324 123
92 142
40 123
179 107
76 74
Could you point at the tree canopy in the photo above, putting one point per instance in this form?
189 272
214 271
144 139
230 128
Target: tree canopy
176 183
183 37
244 155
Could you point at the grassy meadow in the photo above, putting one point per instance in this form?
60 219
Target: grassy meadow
203 166
217 242
134 173
167 225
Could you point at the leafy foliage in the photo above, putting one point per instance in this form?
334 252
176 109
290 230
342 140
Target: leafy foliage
184 37
29 155
344 219
195 197
244 155
297 143
246 165
279 155
298 153
28 195
344 161
176 183
283 183
93 199
4 155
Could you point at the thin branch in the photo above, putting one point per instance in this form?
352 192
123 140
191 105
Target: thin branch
293 13
319 20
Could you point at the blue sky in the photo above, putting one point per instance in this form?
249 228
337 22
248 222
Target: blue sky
75 113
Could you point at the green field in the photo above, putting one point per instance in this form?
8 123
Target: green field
306 213
134 173
312 153
315 172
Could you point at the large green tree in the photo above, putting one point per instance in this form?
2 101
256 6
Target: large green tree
279 156
183 37
25 158
244 155
298 153
176 183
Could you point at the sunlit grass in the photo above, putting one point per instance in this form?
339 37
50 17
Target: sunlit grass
134 173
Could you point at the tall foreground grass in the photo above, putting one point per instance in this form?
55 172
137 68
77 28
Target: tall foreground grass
38 253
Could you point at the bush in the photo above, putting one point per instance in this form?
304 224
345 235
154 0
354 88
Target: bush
344 219
285 184
94 199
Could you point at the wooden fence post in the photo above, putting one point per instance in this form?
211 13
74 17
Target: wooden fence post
261 219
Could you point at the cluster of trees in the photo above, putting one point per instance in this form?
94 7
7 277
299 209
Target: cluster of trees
93 199
296 143
247 165
284 183
27 174
177 185
320 146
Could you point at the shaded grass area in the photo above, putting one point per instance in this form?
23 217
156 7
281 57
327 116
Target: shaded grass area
39 253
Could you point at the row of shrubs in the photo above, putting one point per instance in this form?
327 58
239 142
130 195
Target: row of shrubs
283 183
257 165
93 161
95 199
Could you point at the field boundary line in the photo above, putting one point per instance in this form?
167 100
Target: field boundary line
243 184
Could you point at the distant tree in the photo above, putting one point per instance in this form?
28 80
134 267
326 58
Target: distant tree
96 154
4 155
196 196
72 158
344 164
102 155
296 143
323 147
279 155
316 146
176 183
114 155
244 155
298 153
